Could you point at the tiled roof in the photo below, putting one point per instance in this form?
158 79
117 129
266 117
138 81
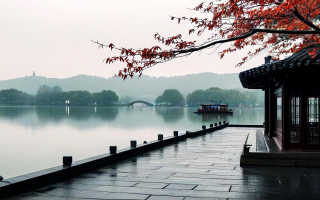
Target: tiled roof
300 59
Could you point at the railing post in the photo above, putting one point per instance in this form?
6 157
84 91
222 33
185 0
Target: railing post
113 149
133 143
67 160
175 133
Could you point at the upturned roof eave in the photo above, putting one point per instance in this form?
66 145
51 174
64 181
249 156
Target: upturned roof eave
253 77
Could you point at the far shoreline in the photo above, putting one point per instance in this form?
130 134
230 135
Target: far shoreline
70 105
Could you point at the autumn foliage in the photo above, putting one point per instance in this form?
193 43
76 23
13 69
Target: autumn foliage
277 26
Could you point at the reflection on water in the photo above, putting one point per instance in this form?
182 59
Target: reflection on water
76 113
214 117
14 112
43 134
41 115
170 114
251 116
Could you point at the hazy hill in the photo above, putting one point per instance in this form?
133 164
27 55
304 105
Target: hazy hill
145 87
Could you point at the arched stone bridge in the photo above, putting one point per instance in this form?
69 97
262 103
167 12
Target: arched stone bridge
139 101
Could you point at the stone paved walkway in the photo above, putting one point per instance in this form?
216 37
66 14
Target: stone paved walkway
206 167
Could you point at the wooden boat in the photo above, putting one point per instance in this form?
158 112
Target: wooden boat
214 107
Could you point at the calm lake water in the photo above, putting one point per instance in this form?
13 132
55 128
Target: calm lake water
33 138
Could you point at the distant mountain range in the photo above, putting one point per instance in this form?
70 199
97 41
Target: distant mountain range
144 88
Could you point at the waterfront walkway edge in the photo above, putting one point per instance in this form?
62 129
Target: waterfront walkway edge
28 182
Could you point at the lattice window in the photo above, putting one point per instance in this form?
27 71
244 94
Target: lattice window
313 120
294 117
279 118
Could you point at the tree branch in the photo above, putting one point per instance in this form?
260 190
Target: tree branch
248 34
307 22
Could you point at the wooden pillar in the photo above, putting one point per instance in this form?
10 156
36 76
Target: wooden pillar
272 109
303 118
285 115
266 111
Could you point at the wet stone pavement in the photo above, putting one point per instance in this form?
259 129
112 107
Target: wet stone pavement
205 167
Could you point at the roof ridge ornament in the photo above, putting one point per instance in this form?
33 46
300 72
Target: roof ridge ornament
268 59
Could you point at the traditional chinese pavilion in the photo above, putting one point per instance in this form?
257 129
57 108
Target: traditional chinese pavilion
292 91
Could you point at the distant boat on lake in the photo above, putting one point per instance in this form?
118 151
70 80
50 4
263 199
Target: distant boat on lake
214 107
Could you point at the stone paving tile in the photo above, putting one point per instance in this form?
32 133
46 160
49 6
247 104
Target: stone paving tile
180 187
138 176
222 172
152 185
192 198
64 192
167 181
231 181
165 198
208 176
125 196
210 181
255 189
96 182
213 188
186 170
130 168
207 167
116 174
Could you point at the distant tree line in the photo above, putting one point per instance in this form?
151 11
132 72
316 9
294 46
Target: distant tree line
232 97
55 95
13 96
47 95
170 97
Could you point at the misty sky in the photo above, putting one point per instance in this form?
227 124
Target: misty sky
52 37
